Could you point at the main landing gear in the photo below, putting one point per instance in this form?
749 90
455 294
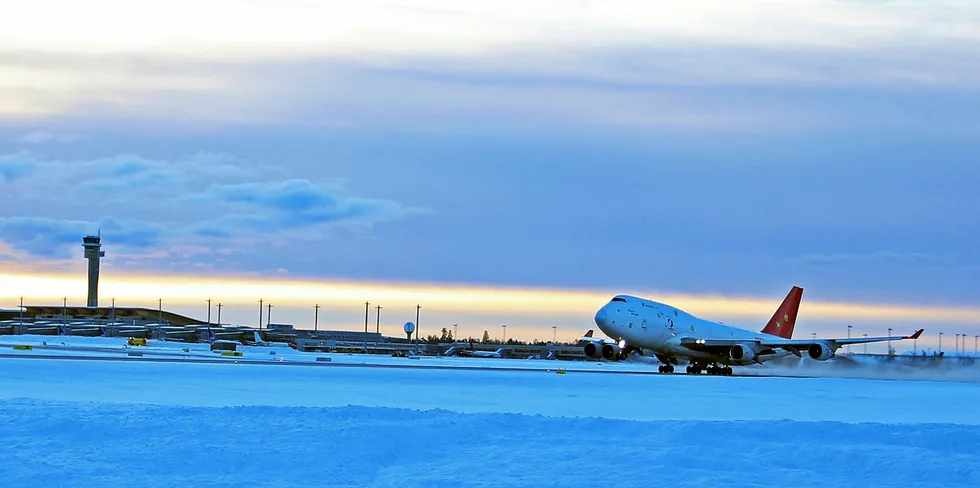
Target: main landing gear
713 369
666 368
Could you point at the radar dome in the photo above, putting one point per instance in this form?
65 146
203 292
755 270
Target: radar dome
409 327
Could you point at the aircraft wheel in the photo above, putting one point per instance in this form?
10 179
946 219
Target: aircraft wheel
669 368
661 369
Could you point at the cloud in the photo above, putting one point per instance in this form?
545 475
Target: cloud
127 177
51 238
628 64
172 205
298 202
267 29
16 166
43 137
879 258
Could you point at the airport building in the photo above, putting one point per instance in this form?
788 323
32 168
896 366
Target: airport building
159 324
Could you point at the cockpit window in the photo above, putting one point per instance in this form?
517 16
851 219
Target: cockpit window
617 299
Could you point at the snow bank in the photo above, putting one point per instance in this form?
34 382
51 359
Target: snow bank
68 444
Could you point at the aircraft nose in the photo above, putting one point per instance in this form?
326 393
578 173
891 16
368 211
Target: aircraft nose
601 317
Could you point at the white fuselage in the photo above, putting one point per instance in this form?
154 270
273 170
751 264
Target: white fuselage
659 328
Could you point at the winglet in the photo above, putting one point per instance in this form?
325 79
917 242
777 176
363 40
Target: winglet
916 335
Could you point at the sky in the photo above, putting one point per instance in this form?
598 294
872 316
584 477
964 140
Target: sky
713 153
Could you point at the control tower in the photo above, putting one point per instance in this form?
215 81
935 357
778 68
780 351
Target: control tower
93 251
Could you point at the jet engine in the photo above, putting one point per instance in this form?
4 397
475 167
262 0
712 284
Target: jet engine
820 351
592 351
742 353
611 351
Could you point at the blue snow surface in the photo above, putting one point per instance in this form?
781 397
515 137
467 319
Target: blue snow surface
80 423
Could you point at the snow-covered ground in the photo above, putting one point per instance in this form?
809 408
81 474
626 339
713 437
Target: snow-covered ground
105 422
71 423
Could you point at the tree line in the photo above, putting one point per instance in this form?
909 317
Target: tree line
446 336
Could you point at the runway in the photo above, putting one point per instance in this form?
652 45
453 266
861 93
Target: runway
73 348
528 391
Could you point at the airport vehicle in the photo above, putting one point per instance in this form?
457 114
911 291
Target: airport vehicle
672 335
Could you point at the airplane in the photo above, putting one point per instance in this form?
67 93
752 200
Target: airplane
472 352
672 334
486 354
260 342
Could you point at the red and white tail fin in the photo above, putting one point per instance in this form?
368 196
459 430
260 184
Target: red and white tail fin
782 322
588 334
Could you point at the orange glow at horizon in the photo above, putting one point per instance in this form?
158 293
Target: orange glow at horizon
483 300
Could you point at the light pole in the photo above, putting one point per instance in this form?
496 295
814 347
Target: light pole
160 311
865 344
417 307
219 314
268 317
209 311
956 344
260 314
849 336
889 341
316 315
940 342
455 334
113 315
504 341
64 310
366 311
975 344
21 311
554 334
377 325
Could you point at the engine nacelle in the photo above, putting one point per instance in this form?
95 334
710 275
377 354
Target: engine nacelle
610 351
743 353
592 351
820 352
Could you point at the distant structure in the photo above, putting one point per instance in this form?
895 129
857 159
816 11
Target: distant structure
93 252
409 328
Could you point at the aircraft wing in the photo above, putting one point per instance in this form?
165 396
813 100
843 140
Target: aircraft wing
588 337
839 341
718 344
861 340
